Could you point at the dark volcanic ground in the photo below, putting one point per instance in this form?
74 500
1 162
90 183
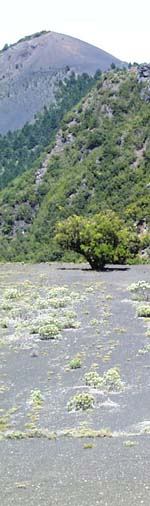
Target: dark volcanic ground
44 459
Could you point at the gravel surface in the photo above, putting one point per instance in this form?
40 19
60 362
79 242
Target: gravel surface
50 455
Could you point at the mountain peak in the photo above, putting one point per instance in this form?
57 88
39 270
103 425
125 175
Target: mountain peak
31 68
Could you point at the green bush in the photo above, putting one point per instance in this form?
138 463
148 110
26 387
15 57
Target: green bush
75 363
102 239
82 401
144 311
110 380
49 331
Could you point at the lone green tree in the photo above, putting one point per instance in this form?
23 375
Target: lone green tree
102 238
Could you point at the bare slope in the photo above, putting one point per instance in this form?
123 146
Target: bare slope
30 69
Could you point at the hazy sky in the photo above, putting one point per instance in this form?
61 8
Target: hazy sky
121 27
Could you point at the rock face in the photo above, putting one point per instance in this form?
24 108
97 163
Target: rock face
31 69
144 71
144 77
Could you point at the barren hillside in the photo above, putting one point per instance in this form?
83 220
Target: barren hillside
31 69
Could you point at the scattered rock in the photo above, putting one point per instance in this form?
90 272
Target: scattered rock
34 352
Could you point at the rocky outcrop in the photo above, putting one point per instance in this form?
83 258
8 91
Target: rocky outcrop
144 77
60 144
144 71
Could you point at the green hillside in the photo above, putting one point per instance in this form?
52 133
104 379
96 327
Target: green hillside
100 160
19 149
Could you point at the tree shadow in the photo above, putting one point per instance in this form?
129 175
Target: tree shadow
88 269
117 268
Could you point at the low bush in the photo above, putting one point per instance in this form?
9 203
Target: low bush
143 311
81 401
49 331
75 363
110 380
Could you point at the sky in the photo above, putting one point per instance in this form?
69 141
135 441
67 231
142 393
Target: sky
120 27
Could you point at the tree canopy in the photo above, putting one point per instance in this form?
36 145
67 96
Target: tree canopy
102 238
